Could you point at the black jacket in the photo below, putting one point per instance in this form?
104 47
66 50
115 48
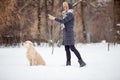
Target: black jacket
68 33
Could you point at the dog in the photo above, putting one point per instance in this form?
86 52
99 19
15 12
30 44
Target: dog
32 55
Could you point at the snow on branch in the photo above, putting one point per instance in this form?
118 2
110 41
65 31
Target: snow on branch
118 25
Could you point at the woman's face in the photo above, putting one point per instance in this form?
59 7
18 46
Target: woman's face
65 6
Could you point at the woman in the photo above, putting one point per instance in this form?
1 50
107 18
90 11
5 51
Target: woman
68 33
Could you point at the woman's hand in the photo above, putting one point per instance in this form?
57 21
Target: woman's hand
51 17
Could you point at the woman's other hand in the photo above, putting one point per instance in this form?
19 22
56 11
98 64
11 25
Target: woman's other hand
51 17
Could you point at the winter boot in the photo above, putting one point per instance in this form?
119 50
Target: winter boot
82 63
68 63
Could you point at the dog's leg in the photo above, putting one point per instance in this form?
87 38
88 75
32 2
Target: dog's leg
35 62
31 62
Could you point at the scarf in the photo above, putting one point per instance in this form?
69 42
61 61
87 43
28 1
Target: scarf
64 14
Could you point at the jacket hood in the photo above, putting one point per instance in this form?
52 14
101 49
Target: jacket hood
70 5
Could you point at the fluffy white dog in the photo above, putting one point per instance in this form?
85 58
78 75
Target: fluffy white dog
32 55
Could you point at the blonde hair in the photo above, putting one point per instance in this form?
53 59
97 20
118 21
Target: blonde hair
66 4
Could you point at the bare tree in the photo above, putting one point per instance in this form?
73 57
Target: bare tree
83 22
39 19
46 21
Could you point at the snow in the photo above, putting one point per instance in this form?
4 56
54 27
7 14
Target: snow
104 0
118 24
101 63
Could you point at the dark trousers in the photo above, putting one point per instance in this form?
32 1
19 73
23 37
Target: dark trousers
72 48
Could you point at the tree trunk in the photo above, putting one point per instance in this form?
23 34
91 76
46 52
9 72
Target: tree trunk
39 19
46 22
83 23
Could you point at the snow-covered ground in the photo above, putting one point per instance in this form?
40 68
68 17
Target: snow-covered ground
101 63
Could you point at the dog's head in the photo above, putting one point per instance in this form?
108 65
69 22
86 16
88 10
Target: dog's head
28 44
